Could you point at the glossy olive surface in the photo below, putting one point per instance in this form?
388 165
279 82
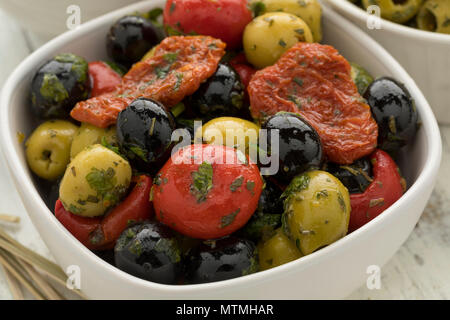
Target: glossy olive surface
149 251
356 177
130 38
222 259
58 85
394 111
221 95
144 131
300 148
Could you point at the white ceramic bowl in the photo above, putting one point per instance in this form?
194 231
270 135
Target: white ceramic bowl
425 55
332 272
48 18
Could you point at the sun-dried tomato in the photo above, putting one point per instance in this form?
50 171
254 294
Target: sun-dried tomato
314 80
178 67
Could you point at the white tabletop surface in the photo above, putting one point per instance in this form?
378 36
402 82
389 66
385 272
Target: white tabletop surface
419 270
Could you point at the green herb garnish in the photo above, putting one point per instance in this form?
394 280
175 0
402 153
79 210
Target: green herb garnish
228 219
202 181
236 183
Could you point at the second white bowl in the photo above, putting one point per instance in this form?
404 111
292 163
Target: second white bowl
425 55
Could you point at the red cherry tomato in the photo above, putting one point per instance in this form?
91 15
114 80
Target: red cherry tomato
101 233
103 78
199 194
223 19
386 188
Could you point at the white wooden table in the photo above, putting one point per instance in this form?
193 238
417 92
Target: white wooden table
419 270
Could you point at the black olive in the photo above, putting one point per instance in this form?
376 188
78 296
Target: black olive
144 132
300 148
356 177
221 95
267 216
130 38
223 259
394 111
58 85
149 251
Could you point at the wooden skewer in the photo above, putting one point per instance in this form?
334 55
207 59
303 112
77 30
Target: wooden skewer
16 270
48 267
46 288
9 218
14 285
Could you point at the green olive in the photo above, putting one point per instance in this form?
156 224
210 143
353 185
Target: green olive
309 11
48 148
277 250
268 36
231 132
434 15
87 135
316 210
394 10
95 180
361 77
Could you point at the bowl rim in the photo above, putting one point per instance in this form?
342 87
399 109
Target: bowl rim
25 186
414 34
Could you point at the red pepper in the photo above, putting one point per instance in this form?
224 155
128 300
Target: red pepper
386 188
101 233
79 227
103 78
243 68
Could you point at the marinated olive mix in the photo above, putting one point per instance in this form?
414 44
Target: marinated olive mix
220 95
356 177
300 148
395 113
144 132
205 213
130 38
58 85
222 259
149 251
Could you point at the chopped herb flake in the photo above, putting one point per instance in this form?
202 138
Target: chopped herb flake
228 219
202 181
236 183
